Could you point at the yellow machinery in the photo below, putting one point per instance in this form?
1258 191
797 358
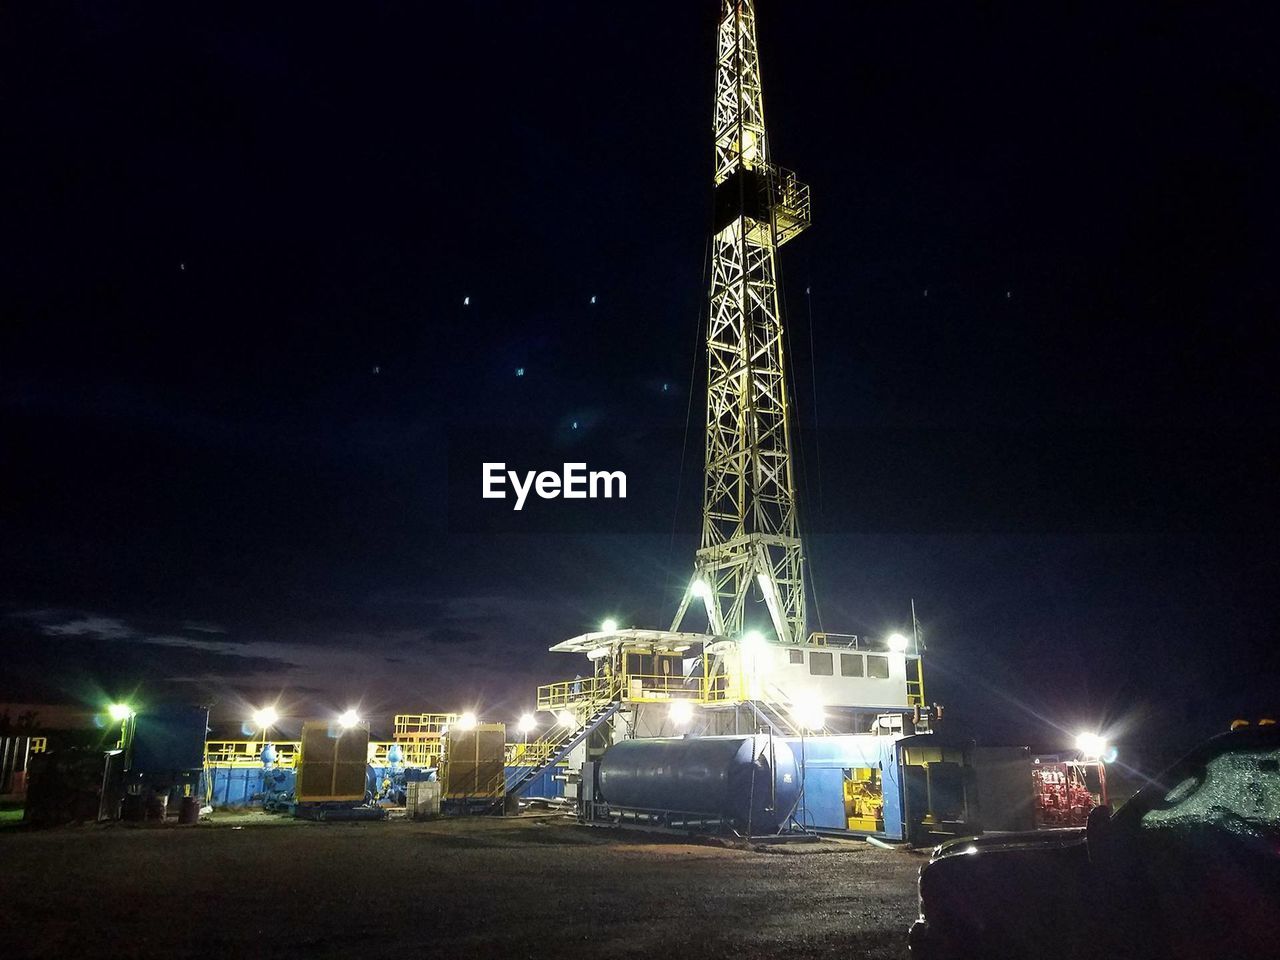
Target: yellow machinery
863 799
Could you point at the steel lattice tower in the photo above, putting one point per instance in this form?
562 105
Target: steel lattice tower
750 539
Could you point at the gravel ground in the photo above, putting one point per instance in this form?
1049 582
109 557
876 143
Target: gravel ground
526 887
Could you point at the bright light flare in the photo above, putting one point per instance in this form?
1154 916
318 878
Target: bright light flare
1092 745
680 712
528 723
898 643
266 717
348 718
566 719
610 625
467 721
701 589
809 715
753 639
119 712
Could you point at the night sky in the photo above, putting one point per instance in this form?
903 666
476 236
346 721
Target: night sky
244 402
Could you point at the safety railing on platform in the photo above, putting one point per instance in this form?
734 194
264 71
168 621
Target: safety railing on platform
823 639
39 744
656 688
416 726
415 753
793 194
788 198
248 753
632 687
567 693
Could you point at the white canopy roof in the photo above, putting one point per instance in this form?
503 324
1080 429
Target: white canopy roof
664 639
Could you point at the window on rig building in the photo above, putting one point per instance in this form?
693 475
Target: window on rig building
851 665
796 656
820 664
877 667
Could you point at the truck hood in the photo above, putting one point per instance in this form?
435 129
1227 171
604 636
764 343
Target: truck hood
1010 842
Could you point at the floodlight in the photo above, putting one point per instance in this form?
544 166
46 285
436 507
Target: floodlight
349 718
809 715
753 639
266 717
898 643
528 723
120 712
609 626
680 712
700 589
467 721
1091 745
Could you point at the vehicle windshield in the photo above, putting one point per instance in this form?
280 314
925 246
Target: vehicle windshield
1235 790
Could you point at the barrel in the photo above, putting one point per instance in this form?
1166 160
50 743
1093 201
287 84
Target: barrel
156 806
132 807
747 782
189 810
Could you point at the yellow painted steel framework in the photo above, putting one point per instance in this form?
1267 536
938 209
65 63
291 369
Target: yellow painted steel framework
417 753
750 538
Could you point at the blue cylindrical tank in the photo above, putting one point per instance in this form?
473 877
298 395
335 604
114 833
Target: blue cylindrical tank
740 780
268 755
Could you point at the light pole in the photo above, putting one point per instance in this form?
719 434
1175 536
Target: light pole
527 725
124 715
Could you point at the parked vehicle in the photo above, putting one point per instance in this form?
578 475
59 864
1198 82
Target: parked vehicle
1188 867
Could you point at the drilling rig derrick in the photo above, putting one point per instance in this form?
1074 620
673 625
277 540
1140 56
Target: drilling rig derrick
750 534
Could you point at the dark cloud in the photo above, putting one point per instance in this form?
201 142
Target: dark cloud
93 659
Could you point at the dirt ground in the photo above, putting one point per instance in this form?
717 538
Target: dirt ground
266 886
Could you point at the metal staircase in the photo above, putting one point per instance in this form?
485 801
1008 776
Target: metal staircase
552 749
776 713
772 717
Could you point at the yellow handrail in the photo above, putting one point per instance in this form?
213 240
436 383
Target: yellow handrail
603 691
570 692
415 726
248 753
634 688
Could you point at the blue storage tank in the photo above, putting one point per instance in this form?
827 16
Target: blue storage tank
737 780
